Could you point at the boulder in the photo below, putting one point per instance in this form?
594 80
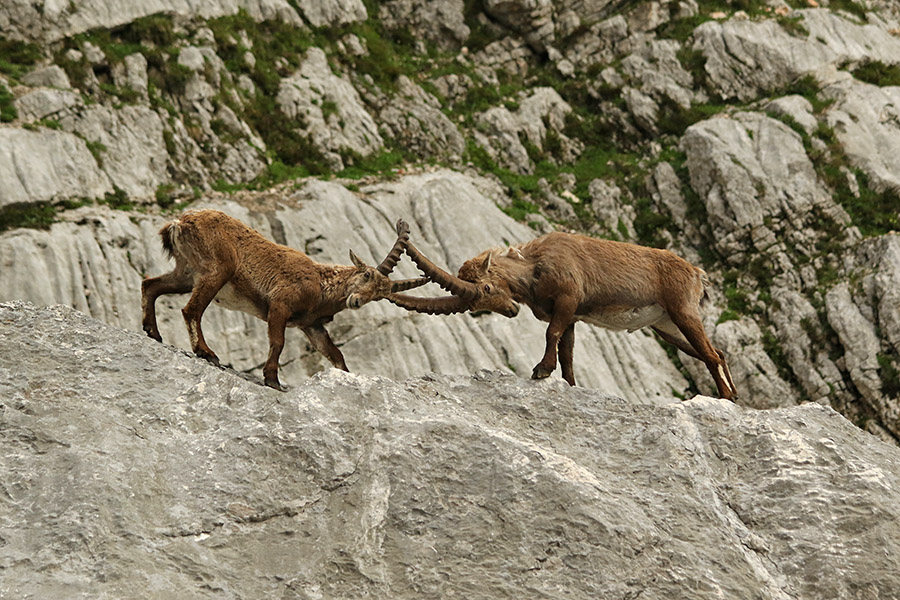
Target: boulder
864 118
749 58
25 20
134 470
47 165
413 118
328 109
332 13
441 23
132 149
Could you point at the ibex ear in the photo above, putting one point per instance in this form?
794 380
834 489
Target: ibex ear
357 261
486 263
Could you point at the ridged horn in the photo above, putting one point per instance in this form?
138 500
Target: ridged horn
456 286
390 261
407 284
445 305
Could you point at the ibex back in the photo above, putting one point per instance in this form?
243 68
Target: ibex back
219 258
566 278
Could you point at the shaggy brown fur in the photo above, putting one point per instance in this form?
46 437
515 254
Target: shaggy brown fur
218 258
565 278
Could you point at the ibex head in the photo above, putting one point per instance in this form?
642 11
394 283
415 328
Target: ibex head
477 287
372 283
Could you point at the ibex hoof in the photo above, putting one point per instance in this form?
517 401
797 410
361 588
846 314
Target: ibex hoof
153 333
208 356
541 372
275 385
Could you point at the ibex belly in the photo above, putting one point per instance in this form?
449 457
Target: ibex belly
228 297
619 318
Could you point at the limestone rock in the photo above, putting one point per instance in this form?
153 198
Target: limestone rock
26 20
133 151
747 58
413 118
797 108
865 120
132 469
499 128
857 335
328 109
47 165
441 23
49 76
47 103
754 176
332 13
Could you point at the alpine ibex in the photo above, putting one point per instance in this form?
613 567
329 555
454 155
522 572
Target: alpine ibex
565 278
219 258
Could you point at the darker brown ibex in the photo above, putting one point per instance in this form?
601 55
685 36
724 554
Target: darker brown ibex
565 278
219 258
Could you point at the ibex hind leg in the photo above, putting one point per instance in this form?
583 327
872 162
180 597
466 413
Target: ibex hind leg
205 289
567 354
691 327
176 282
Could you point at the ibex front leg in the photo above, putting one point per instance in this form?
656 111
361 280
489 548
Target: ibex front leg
322 342
277 321
205 289
567 354
563 317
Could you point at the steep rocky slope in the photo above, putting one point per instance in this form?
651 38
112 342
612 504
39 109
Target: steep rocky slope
756 139
135 470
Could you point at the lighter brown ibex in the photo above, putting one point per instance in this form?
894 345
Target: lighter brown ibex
565 278
219 258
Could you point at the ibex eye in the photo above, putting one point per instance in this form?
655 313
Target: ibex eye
487 289
368 275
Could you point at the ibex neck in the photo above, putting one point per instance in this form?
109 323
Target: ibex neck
335 282
518 274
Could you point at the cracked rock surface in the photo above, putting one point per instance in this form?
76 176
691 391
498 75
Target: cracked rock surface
135 470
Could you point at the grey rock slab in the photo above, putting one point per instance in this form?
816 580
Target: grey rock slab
56 20
306 96
133 470
747 58
132 146
865 118
47 165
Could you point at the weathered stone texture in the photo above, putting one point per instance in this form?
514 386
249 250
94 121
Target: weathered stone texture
132 470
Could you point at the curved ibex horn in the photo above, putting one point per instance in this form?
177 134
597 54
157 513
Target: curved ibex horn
456 286
407 284
446 305
390 261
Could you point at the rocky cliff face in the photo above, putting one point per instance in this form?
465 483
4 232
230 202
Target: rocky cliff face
135 470
758 140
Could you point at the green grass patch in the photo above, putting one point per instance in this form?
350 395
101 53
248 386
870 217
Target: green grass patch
878 73
38 215
17 58
889 373
8 110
